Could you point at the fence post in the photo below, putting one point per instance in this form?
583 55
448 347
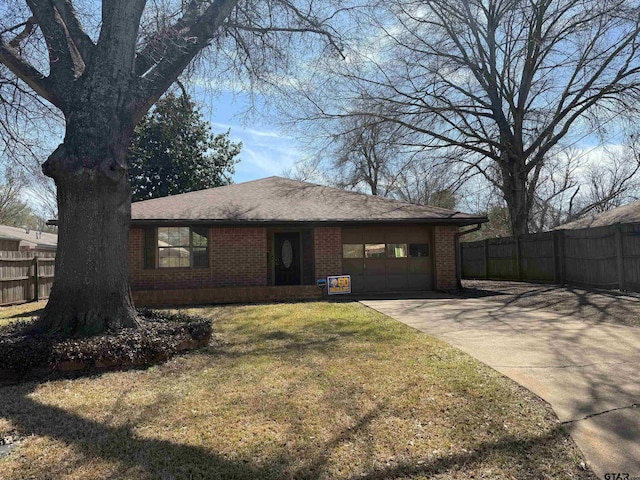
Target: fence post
518 272
558 257
459 260
620 256
36 280
486 259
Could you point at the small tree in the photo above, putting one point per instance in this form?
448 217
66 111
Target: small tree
173 151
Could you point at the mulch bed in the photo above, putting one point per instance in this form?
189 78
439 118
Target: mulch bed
26 353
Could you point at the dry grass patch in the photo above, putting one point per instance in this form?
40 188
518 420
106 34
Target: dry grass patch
295 391
23 311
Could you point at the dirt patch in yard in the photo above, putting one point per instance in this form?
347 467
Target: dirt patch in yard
592 305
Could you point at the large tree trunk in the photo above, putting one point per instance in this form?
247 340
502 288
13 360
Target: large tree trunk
514 190
91 290
103 86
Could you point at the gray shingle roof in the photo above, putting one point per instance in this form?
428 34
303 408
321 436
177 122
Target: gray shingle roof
629 213
282 200
31 238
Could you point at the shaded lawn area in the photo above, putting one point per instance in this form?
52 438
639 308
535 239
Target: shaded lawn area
23 311
290 391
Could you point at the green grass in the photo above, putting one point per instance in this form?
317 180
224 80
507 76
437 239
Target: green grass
291 391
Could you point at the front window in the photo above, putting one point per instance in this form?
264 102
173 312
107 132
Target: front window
182 247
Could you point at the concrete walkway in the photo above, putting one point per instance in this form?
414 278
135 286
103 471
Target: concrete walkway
587 371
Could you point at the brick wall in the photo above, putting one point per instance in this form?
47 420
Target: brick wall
237 257
327 242
270 257
135 253
238 267
202 296
445 257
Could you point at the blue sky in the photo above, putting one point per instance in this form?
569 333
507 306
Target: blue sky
266 150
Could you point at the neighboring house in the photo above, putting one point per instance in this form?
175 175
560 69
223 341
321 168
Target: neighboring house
629 213
271 239
25 239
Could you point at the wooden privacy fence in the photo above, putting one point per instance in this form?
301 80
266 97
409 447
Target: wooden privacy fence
25 276
603 257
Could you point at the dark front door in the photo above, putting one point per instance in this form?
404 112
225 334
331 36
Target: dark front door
287 258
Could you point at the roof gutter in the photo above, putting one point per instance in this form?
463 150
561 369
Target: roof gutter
459 253
461 222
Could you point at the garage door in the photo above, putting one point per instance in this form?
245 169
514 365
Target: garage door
388 258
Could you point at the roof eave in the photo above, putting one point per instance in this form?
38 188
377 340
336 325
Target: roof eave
462 222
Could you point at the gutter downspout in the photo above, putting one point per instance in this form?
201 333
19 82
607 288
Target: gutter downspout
459 254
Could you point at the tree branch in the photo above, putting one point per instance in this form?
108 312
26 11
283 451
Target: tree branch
26 72
81 40
28 28
168 53
65 61
116 45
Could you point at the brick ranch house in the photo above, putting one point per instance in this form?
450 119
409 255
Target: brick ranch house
270 239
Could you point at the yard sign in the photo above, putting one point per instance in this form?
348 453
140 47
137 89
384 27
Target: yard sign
339 284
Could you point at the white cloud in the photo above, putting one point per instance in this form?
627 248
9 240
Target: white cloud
264 152
244 132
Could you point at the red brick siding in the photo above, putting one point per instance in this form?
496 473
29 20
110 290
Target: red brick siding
238 267
445 257
270 257
195 296
135 252
237 257
327 242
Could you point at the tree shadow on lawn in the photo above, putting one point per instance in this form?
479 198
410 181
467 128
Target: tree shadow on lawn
156 458
324 337
30 314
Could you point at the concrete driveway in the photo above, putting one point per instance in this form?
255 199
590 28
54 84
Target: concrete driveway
587 371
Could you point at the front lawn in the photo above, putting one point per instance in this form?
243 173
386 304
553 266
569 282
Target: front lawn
291 391
23 311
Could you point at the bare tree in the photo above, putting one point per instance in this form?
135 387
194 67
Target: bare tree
499 82
13 209
575 183
427 183
611 183
559 183
368 151
103 70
